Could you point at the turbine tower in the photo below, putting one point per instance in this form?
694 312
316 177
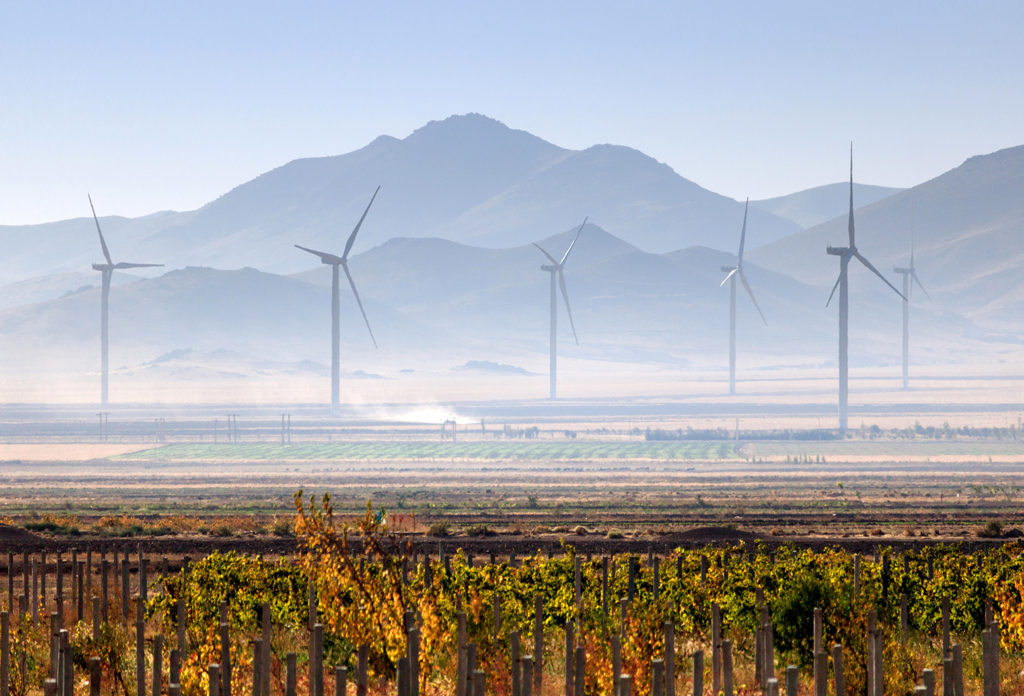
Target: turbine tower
908 275
335 262
107 269
845 254
735 272
556 269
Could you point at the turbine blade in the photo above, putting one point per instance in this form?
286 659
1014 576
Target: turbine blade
125 264
918 281
876 272
852 244
103 243
545 253
731 274
324 256
743 234
566 255
565 296
352 237
834 287
750 292
358 301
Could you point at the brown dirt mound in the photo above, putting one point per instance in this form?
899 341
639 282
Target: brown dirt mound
16 536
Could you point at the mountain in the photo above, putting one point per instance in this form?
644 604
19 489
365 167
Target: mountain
467 179
967 227
822 203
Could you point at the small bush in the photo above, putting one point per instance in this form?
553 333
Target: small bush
441 528
479 530
580 530
992 530
615 534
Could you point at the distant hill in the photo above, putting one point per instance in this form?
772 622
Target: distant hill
822 203
968 231
467 179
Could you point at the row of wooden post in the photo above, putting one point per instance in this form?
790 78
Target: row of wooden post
526 671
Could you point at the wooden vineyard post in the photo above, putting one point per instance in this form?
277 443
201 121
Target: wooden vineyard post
578 584
945 626
80 591
413 648
856 574
402 676
10 580
514 661
364 654
670 658
604 585
904 616
5 650
265 659
526 679
570 643
870 654
140 649
225 656
174 667
460 648
727 668
958 670
95 674
143 580
947 676
213 674
125 593
716 651
97 618
257 655
698 673
839 680
538 642
340 680
317 666
819 657
470 667
928 681
792 680
291 677
655 579
35 591
580 671
158 664
657 677
631 577
181 624
625 685
104 586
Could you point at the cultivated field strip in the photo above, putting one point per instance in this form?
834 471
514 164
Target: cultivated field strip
480 450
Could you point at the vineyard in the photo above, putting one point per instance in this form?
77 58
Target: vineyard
355 611
476 450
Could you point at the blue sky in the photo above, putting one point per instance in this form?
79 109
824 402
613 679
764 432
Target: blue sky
155 106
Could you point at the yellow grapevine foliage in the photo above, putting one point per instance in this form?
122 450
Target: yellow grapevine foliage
365 586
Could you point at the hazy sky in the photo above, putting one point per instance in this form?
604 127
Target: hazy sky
155 106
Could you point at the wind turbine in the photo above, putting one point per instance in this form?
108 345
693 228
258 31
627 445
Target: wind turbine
908 275
335 262
735 272
557 268
845 254
107 269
